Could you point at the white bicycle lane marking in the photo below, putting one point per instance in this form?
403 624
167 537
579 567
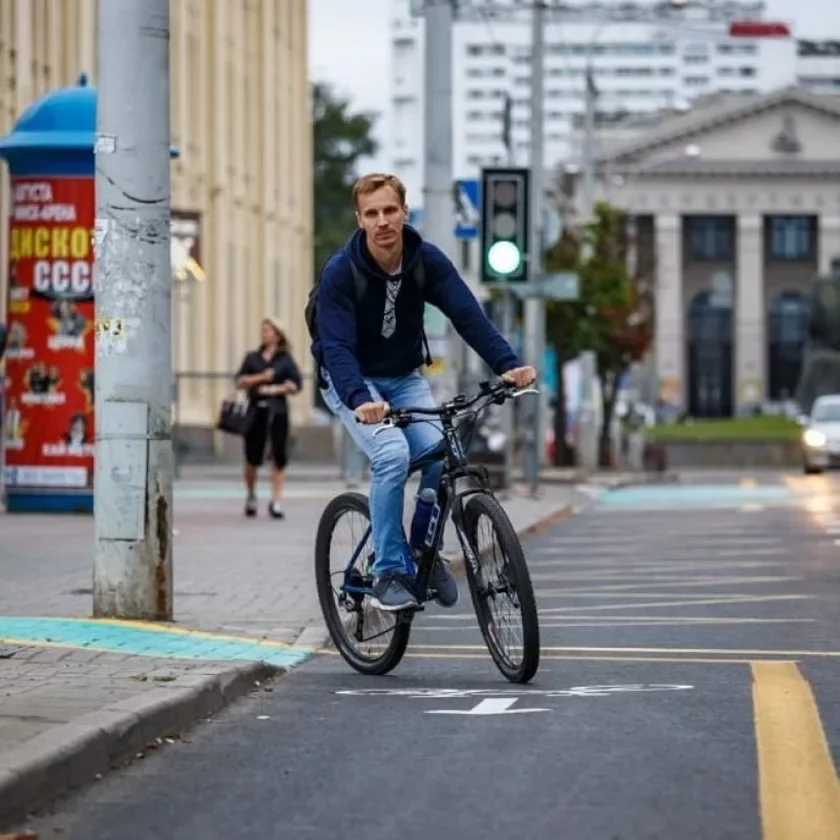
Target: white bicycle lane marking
498 701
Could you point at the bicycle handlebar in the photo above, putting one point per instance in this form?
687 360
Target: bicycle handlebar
498 393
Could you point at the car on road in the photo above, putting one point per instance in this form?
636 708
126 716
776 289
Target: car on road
821 435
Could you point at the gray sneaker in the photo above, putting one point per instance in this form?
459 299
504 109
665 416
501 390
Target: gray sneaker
443 582
392 593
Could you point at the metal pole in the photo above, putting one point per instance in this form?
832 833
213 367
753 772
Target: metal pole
134 458
587 427
588 144
438 215
509 429
534 305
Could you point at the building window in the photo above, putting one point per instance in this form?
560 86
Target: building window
791 237
485 49
711 237
788 335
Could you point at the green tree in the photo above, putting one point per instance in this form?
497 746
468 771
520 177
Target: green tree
612 317
341 138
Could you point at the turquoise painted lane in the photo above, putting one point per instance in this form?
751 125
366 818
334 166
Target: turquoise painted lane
154 640
697 496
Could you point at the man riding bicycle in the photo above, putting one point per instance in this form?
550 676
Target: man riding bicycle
368 340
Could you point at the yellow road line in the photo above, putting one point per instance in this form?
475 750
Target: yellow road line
784 654
799 792
575 621
682 660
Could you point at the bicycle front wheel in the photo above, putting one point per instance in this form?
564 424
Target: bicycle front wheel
370 640
512 635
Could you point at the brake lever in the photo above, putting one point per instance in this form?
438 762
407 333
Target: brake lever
522 391
387 423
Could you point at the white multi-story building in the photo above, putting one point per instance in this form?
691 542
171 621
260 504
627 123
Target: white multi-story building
662 62
818 66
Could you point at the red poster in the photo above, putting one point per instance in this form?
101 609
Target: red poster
48 428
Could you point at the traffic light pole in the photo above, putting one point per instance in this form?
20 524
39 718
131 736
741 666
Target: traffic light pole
534 304
508 303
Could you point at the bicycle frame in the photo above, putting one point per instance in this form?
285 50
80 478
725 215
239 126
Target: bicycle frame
449 500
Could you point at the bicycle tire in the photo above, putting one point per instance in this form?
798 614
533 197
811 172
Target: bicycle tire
487 505
341 504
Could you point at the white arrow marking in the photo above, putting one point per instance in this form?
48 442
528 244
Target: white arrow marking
490 706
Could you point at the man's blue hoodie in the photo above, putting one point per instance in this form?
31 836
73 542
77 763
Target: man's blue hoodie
350 344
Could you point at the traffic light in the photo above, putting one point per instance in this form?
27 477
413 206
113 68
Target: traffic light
505 200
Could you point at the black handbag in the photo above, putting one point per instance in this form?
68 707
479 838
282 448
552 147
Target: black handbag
236 415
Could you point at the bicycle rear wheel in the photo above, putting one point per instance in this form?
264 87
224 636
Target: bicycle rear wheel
369 640
517 658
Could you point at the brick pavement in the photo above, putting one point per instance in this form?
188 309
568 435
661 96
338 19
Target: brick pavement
41 687
251 577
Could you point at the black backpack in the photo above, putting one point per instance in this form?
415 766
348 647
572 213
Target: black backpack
310 312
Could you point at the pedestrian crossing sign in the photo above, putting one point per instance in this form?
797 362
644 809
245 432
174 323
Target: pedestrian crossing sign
467 214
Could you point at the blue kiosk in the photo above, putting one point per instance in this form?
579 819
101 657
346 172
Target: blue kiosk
47 420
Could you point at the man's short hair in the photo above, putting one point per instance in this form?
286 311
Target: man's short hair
374 181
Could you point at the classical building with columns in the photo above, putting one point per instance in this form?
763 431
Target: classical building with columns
735 207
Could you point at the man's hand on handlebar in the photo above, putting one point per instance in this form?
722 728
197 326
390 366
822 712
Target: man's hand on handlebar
520 377
372 412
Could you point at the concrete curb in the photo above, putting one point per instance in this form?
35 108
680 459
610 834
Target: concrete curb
77 753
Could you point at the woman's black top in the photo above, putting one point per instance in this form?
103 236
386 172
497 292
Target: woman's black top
285 370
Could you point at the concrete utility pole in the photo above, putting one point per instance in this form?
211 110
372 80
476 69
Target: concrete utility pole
534 305
438 211
134 457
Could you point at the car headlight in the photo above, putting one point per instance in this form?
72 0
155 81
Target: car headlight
814 438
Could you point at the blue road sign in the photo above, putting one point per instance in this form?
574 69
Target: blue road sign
467 209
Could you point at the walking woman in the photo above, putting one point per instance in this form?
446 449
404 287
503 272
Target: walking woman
269 375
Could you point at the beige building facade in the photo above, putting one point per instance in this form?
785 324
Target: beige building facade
241 189
736 207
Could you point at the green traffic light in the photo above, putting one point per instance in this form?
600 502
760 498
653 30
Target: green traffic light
504 257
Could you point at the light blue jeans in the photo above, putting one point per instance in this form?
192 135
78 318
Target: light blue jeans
390 453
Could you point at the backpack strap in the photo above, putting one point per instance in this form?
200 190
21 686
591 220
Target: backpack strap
359 281
420 280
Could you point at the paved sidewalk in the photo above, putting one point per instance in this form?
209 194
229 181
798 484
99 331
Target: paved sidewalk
232 575
78 695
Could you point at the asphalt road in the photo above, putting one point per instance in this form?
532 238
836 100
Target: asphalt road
689 688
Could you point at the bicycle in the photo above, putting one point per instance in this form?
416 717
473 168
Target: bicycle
356 585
